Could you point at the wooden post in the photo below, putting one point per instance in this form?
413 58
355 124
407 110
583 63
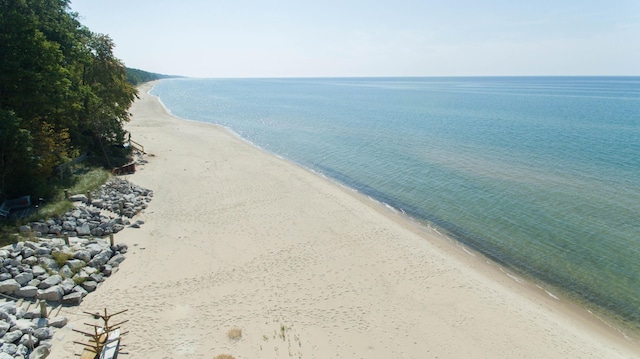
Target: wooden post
30 339
66 194
121 207
89 197
66 238
111 239
43 309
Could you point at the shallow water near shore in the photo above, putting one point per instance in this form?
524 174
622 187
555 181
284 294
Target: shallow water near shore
540 174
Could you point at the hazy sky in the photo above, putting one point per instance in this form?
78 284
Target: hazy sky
287 38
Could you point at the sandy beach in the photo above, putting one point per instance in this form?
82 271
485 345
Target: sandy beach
238 238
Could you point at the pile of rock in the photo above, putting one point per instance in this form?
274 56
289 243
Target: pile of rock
48 269
119 196
53 271
101 215
24 333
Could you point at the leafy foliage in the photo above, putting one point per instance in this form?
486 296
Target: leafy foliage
136 76
62 93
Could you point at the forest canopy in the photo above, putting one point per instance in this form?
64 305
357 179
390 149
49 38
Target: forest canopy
63 93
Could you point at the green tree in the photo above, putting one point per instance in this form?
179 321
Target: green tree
62 92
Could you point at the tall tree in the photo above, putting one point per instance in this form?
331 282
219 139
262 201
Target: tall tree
62 92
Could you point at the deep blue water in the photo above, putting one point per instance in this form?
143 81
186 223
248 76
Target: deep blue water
541 174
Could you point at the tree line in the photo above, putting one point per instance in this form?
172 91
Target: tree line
63 93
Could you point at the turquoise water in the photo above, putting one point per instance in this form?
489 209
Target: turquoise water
540 174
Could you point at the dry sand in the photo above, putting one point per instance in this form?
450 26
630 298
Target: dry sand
236 237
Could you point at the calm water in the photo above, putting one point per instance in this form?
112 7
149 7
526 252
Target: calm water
540 174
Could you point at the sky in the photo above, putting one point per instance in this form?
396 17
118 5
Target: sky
354 38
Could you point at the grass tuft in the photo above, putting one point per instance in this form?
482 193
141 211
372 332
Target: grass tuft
61 258
224 356
235 333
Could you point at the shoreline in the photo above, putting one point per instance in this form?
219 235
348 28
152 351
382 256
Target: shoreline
278 246
538 286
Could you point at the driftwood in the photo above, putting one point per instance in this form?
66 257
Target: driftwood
128 169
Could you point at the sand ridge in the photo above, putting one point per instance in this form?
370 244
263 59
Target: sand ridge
236 237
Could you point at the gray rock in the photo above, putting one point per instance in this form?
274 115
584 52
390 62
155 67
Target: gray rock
73 298
97 277
26 292
28 252
53 294
83 255
4 328
79 198
101 258
41 352
55 230
38 271
97 232
65 272
58 322
106 270
93 248
13 336
89 285
23 278
43 333
44 251
116 260
5 276
30 341
24 325
83 230
8 350
67 285
51 281
76 264
69 225
9 286
25 229
30 261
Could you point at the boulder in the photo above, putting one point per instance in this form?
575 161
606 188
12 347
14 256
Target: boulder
24 325
51 281
52 294
23 278
67 285
43 333
83 230
97 232
79 198
58 322
9 286
28 252
8 350
89 285
73 298
83 255
37 271
101 258
116 260
69 226
41 352
28 340
12 336
26 292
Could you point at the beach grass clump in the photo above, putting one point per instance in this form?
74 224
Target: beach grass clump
61 257
224 356
234 333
